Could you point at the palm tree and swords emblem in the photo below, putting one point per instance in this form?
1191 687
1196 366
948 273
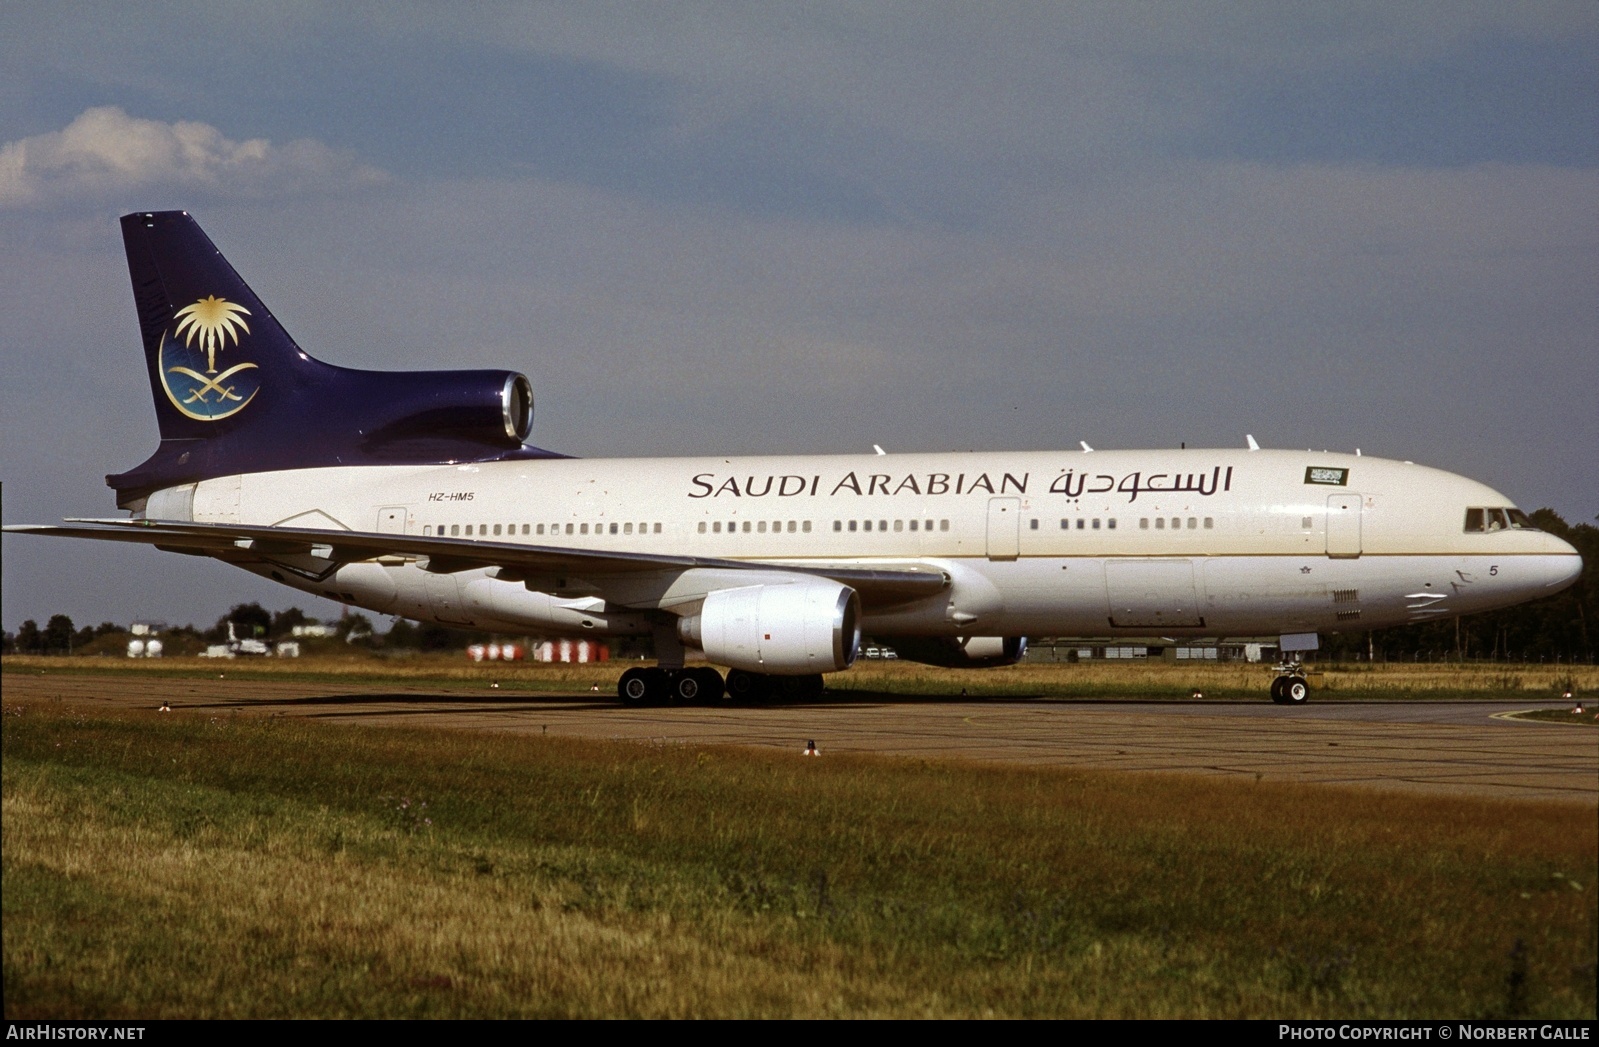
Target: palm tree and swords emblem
207 327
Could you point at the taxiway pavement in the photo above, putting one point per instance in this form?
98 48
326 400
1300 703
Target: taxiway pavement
1439 747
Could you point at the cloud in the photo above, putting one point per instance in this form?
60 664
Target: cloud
106 151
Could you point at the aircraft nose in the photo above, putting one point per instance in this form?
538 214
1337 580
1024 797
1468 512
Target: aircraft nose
1560 566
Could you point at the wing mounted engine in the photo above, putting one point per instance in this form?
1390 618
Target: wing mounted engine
784 629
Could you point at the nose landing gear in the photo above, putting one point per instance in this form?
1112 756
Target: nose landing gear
1290 687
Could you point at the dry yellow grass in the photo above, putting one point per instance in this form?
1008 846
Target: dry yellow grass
220 866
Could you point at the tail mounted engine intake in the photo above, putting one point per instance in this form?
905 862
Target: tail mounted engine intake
235 394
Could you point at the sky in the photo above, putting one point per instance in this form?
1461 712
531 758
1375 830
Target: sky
708 228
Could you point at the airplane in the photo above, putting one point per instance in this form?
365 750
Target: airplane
417 494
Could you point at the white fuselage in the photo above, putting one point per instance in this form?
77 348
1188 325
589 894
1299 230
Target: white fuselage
1172 543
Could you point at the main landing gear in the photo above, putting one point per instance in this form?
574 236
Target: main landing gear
655 686
1290 687
759 687
703 685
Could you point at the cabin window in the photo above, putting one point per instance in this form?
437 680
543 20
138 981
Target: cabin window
1143 523
791 527
899 525
1080 523
1111 523
716 527
943 525
541 529
746 527
1160 523
455 529
1210 523
527 528
1032 525
913 525
1096 523
854 525
702 527
1176 523
613 528
627 528
760 528
657 528
427 529
838 525
496 528
1497 520
1193 523
882 525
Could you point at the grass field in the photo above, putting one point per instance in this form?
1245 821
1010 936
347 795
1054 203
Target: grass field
164 866
1152 678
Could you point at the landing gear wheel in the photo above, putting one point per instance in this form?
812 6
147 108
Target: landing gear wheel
633 688
658 686
798 688
1277 689
711 686
1296 690
686 687
748 687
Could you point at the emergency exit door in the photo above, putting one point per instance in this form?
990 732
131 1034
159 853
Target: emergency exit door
1004 528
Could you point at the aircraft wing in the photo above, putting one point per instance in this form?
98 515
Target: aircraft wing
878 586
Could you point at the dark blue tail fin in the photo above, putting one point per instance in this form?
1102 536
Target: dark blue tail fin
234 394
210 345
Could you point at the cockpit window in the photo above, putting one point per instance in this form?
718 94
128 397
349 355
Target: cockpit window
1482 520
1519 521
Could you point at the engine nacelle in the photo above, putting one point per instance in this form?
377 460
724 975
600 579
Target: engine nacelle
962 652
784 629
491 407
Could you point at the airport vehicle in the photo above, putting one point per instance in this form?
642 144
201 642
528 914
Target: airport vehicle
417 494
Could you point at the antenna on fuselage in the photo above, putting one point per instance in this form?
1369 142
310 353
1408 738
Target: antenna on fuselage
1086 448
878 449
1253 446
